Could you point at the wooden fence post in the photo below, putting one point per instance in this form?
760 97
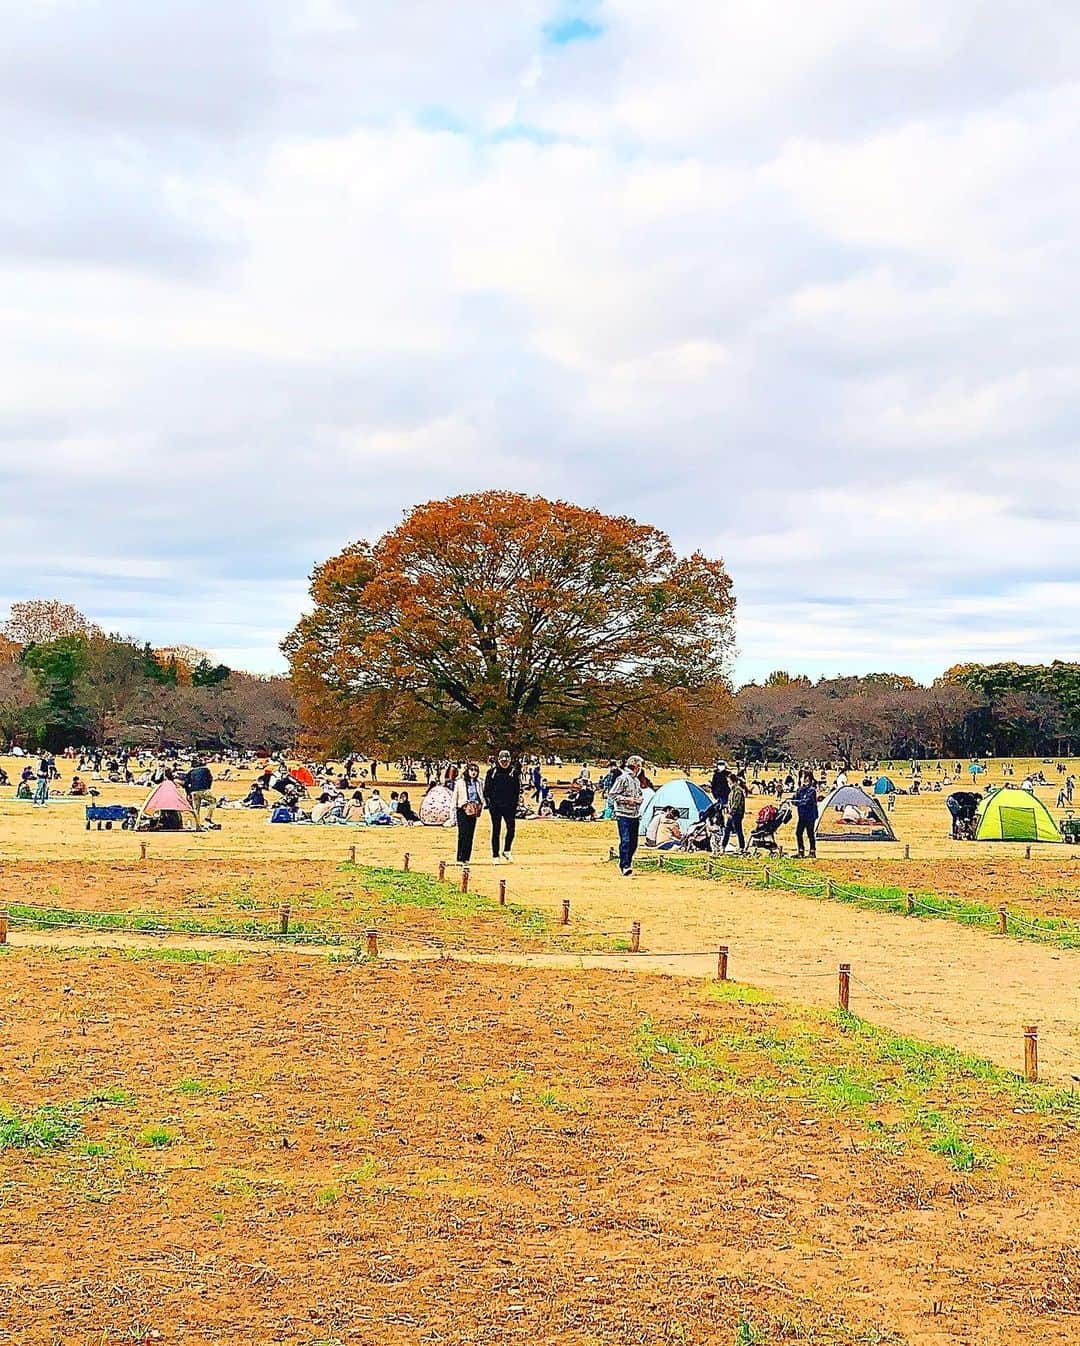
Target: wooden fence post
611 853
910 903
3 925
442 871
465 878
766 874
502 892
710 867
845 985
635 937
1031 1054
721 963
1027 852
283 918
1003 921
142 850
660 861
907 852
829 889
565 911
406 862
352 855
373 944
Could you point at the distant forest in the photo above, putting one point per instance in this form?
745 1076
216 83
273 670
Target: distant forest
63 682
1006 710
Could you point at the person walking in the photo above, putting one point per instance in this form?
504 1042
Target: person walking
502 793
198 783
805 801
625 796
736 810
469 803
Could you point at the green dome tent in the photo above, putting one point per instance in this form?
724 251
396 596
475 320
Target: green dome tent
1014 815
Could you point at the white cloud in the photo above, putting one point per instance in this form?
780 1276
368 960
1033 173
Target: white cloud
794 282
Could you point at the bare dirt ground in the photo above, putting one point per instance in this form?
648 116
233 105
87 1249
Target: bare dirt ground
293 1151
932 978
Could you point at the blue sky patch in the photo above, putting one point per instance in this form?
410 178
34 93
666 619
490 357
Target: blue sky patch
576 29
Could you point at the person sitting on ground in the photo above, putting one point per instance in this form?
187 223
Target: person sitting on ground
254 799
584 810
405 808
566 808
78 786
355 812
375 810
668 832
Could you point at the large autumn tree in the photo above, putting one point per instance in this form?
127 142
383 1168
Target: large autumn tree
499 618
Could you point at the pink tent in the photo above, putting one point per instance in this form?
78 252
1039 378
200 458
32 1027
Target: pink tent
167 795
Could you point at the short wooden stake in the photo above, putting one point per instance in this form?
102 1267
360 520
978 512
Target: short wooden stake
611 853
635 937
3 925
910 901
845 985
1031 1054
372 943
465 879
283 918
352 855
709 867
1027 852
442 871
907 852
406 862
565 911
142 850
721 963
829 888
660 861
1003 921
766 873
502 892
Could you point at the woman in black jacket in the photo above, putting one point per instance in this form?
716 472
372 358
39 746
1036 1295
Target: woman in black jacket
502 791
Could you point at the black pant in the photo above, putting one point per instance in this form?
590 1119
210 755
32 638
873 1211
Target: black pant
466 830
805 828
733 824
498 817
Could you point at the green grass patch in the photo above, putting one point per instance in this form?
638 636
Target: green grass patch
1057 931
843 1065
54 1126
158 1137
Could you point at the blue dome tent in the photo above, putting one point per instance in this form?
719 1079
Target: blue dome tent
884 786
689 800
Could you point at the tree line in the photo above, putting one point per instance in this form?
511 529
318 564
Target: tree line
1005 709
64 681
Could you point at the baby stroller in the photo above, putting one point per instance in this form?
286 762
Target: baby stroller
699 837
769 821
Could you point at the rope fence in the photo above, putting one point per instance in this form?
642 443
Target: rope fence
30 915
1051 930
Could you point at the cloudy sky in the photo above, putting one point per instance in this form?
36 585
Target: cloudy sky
797 282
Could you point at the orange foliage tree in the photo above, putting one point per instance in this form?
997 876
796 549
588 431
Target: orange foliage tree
40 619
504 619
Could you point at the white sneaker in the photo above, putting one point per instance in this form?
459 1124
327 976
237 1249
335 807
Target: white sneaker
496 860
508 859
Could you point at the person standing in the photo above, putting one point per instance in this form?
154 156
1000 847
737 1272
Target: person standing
805 801
721 784
736 810
625 796
502 792
469 803
198 784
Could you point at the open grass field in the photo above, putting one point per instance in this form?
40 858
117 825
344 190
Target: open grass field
214 1132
